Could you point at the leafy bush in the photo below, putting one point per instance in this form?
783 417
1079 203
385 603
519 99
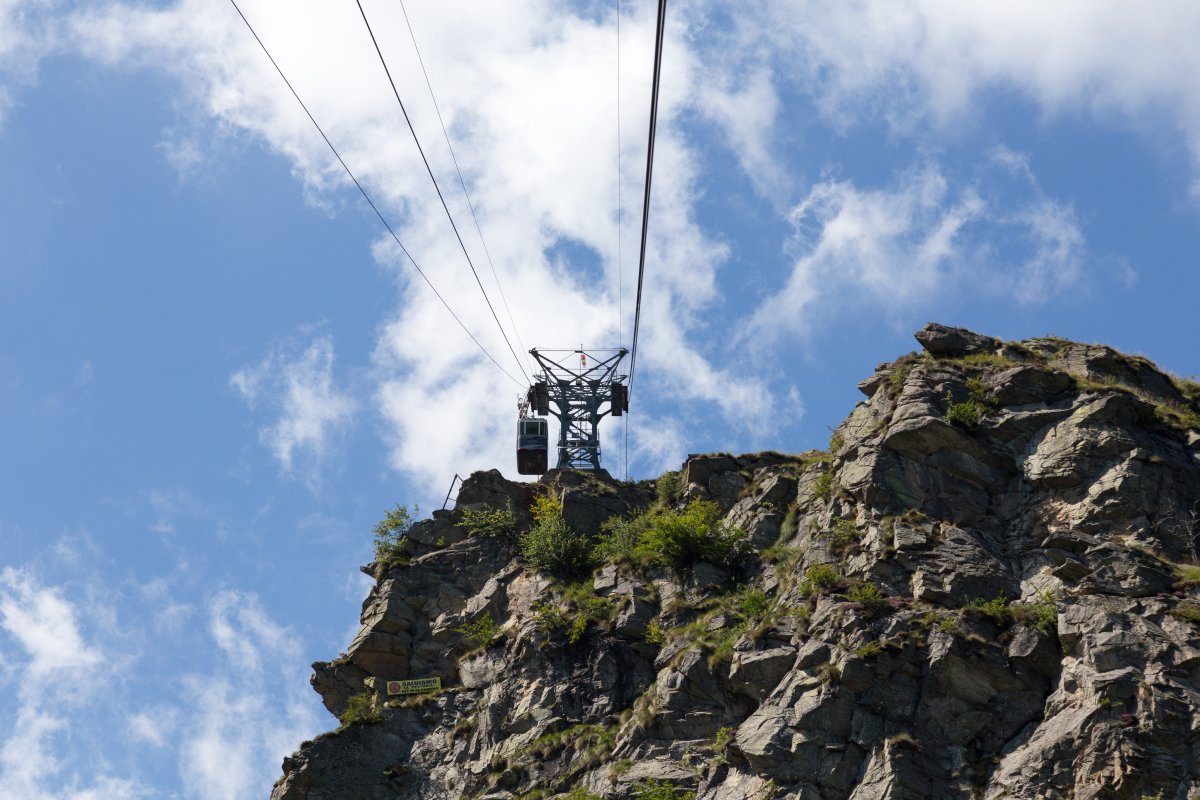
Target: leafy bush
661 790
870 598
482 631
843 532
898 377
968 413
965 414
668 486
581 793
823 486
869 650
491 523
553 619
754 604
996 609
390 532
820 578
361 710
619 538
1042 616
655 633
553 548
723 738
546 507
679 539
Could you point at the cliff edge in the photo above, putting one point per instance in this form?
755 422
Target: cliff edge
987 587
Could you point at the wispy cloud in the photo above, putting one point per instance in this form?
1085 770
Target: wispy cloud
226 719
928 62
233 733
905 247
310 410
54 662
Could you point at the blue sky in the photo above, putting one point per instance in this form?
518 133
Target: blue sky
215 373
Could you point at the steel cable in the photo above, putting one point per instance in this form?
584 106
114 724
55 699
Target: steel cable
367 196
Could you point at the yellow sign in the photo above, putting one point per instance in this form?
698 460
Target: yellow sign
414 686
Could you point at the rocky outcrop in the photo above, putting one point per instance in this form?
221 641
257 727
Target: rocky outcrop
983 589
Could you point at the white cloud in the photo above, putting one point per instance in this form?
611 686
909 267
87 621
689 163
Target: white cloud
28 31
932 59
528 91
154 726
233 733
311 410
57 671
45 626
903 248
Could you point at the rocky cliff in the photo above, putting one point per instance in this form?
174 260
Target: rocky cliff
985 588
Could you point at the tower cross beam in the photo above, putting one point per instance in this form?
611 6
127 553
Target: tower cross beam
581 396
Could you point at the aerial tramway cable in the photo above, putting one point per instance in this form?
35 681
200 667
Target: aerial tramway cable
438 189
637 314
620 214
367 196
428 83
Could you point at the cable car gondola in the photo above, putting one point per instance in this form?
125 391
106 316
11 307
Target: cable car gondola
531 446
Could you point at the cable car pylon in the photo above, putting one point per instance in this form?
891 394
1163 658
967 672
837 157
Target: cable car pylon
580 395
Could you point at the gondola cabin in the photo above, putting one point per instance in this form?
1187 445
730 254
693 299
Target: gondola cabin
531 446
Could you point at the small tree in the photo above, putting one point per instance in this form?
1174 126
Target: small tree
390 532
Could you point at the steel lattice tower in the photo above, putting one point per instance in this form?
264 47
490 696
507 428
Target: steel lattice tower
577 394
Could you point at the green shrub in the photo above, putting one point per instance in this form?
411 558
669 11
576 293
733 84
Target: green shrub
581 793
361 710
823 486
619 539
482 631
870 598
679 539
553 548
996 609
835 444
1042 615
1188 612
843 532
723 737
1188 573
549 617
390 533
661 790
898 377
491 523
820 578
1178 416
546 507
968 413
965 414
655 633
668 487
869 650
754 604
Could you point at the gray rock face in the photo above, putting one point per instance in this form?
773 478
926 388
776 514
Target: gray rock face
977 594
